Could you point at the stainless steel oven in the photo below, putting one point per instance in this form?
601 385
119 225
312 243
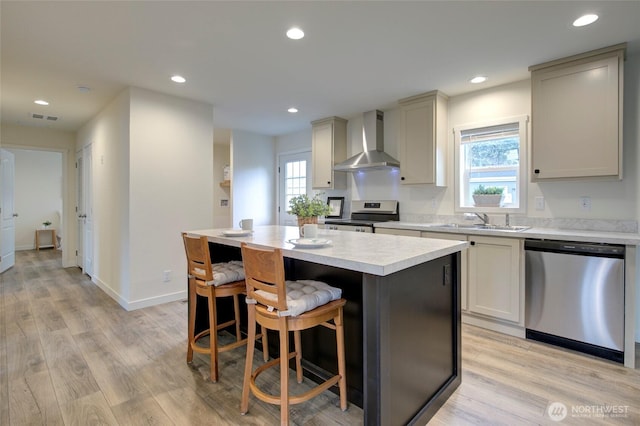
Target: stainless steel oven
364 213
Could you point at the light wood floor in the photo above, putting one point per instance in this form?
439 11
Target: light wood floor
70 355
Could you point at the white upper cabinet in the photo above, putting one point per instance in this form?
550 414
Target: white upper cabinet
328 146
577 116
422 139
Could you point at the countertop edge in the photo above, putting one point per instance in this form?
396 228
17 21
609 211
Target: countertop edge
542 233
322 256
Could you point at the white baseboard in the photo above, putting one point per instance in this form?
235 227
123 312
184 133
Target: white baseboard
156 300
142 303
511 329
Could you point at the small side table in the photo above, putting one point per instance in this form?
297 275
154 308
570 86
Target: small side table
38 240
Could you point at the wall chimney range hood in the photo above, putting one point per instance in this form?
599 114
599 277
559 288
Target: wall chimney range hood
372 137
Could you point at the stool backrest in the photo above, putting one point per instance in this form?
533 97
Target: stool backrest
198 258
264 270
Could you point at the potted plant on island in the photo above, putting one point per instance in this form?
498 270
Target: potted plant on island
46 224
491 196
308 209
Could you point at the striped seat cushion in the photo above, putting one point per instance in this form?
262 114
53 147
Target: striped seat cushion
305 295
226 272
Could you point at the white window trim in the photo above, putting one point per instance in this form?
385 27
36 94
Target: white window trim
281 206
523 131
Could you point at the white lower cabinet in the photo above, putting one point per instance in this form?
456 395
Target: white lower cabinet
463 262
495 278
491 279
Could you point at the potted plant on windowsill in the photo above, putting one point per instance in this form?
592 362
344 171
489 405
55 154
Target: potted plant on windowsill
308 209
491 196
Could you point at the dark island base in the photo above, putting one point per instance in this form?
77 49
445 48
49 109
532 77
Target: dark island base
402 335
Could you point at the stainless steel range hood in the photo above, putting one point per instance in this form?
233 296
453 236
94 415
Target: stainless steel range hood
373 156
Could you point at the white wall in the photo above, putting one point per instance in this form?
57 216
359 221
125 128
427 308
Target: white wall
294 142
253 178
153 167
46 139
38 193
611 200
171 189
509 100
108 135
221 213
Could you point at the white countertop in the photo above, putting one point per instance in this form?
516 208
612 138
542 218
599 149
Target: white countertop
375 254
542 233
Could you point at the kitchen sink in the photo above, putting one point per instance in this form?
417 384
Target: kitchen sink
458 225
489 227
513 228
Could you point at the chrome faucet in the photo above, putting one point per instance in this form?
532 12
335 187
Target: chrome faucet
483 217
506 220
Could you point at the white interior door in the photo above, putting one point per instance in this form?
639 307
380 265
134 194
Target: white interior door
80 210
7 210
88 210
84 254
294 179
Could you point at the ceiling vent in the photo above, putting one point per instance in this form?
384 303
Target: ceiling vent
43 117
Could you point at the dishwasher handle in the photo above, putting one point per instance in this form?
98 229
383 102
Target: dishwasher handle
577 248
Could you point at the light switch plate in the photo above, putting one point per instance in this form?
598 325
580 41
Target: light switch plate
539 203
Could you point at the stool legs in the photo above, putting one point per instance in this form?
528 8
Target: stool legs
236 310
284 371
192 320
248 365
285 400
342 371
213 335
298 348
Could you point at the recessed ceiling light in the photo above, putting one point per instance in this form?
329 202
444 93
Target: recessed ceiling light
293 110
178 79
478 79
295 33
41 102
585 20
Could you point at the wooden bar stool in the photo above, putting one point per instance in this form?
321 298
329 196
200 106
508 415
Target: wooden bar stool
287 306
212 281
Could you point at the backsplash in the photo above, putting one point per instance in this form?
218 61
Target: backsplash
603 225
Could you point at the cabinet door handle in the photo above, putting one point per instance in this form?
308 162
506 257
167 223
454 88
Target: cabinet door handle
328 182
473 243
536 171
402 178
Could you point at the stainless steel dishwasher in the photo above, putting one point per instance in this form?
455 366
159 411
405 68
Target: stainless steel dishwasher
575 296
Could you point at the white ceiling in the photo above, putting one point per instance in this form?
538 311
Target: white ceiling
356 56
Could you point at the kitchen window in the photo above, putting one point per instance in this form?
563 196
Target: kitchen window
491 154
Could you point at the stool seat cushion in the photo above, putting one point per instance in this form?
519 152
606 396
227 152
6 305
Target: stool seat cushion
227 272
305 295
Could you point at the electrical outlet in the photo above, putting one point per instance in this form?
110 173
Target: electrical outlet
585 204
539 203
166 276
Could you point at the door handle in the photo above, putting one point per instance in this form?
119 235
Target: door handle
15 215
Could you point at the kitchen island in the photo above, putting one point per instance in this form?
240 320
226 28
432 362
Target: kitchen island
402 317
